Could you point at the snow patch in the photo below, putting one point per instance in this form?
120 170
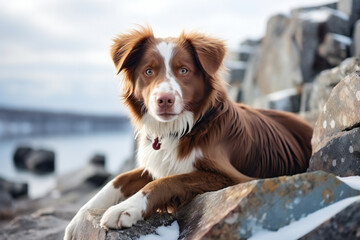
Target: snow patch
322 15
170 232
352 181
341 38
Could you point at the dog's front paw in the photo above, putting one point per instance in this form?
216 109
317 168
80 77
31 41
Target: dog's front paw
73 227
124 214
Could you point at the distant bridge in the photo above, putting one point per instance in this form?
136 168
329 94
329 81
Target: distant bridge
14 122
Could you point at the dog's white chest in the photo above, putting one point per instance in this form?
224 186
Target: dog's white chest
164 161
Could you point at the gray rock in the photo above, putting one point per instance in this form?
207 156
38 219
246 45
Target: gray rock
305 97
289 103
38 226
327 80
335 48
6 205
356 40
20 155
41 161
341 112
341 155
279 44
332 21
91 174
236 212
344 225
351 8
90 229
142 228
236 72
16 190
288 56
98 159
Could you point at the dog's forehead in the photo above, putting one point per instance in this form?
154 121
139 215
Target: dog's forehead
166 49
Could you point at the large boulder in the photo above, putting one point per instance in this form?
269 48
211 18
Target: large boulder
340 113
336 138
340 155
20 155
41 161
239 212
327 80
293 41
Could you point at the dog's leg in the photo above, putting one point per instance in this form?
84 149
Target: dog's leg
112 193
162 192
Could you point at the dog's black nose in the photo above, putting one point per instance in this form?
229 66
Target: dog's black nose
165 100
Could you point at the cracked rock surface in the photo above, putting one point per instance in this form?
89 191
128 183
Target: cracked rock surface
336 138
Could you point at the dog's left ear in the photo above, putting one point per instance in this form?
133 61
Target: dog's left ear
127 48
210 51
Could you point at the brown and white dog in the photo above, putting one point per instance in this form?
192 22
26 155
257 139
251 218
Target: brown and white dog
191 137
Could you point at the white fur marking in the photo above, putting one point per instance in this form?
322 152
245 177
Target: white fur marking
166 51
168 85
180 126
164 162
105 198
126 213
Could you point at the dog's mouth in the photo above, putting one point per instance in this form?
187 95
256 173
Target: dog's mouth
167 116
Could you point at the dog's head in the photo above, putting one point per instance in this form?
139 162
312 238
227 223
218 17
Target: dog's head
167 78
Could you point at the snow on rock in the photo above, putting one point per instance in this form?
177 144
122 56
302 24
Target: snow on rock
352 181
170 232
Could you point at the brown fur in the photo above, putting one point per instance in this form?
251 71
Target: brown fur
239 143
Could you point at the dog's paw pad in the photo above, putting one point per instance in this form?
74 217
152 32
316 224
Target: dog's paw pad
117 217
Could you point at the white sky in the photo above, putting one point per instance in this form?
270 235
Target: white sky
55 54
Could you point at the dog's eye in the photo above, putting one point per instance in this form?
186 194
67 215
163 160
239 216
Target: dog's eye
183 70
149 72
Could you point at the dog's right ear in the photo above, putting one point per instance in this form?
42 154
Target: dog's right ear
127 48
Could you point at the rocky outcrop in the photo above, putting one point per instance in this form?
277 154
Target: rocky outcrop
336 138
327 80
46 224
295 49
341 155
236 212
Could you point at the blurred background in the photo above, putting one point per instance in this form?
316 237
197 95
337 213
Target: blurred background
59 95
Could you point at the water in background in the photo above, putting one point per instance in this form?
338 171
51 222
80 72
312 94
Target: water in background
71 152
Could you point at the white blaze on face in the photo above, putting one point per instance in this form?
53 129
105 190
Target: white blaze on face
168 84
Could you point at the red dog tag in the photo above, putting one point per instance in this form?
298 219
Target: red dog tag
156 145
